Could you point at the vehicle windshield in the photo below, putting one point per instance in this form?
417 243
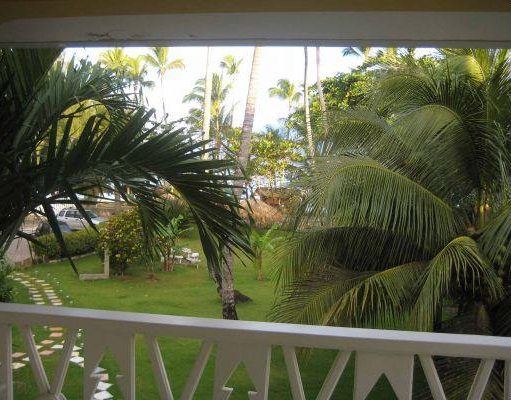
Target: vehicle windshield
91 214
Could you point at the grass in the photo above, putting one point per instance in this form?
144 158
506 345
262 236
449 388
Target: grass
185 291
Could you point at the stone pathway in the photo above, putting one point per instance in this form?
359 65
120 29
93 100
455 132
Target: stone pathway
42 293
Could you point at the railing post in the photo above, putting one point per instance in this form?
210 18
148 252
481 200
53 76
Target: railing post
6 387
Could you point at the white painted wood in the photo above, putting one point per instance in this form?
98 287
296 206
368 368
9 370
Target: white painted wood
507 380
377 351
395 29
370 367
40 377
197 370
293 372
256 359
106 264
334 375
435 385
60 375
122 346
160 373
480 380
6 389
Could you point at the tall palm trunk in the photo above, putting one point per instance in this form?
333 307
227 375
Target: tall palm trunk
163 99
227 288
322 103
206 122
310 144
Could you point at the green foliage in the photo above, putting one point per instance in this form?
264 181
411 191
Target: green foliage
6 288
407 209
46 160
123 237
77 243
168 236
260 243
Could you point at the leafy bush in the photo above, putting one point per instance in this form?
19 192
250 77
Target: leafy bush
77 243
123 236
6 289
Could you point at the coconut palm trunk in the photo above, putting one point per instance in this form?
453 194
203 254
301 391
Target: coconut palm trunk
322 103
308 128
206 122
227 287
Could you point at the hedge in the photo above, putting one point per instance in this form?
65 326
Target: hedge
77 243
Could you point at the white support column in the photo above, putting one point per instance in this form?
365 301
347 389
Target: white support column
507 380
293 372
334 375
6 388
41 379
435 385
480 380
60 375
198 369
160 373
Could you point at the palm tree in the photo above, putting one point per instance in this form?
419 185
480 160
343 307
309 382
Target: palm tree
116 60
159 60
322 103
220 115
136 73
49 156
308 128
206 97
231 65
227 279
285 90
407 214
357 51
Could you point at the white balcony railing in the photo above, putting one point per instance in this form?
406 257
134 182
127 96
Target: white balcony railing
377 352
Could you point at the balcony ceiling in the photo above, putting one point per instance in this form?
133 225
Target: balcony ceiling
326 22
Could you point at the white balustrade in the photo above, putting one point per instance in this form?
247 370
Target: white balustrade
376 352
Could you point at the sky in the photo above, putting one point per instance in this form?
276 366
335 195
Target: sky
277 63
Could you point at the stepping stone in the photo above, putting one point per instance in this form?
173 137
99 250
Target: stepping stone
102 386
26 359
17 355
39 281
40 303
99 370
75 354
38 347
57 304
56 329
76 360
103 395
52 296
17 365
46 352
47 341
76 348
103 377
57 346
56 334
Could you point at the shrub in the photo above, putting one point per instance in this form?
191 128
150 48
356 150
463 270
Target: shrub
6 289
77 243
123 236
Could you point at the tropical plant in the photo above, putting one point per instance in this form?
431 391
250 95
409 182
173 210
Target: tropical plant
285 90
123 238
308 128
168 236
158 59
116 60
136 73
117 149
262 242
410 213
231 65
6 288
221 115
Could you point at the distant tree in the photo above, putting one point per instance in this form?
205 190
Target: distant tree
136 73
285 90
158 59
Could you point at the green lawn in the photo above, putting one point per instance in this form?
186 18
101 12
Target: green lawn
185 291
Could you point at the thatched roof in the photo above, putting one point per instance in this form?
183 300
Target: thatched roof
263 215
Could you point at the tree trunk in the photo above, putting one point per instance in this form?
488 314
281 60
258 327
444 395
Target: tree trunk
163 100
322 103
259 266
206 122
227 290
310 144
